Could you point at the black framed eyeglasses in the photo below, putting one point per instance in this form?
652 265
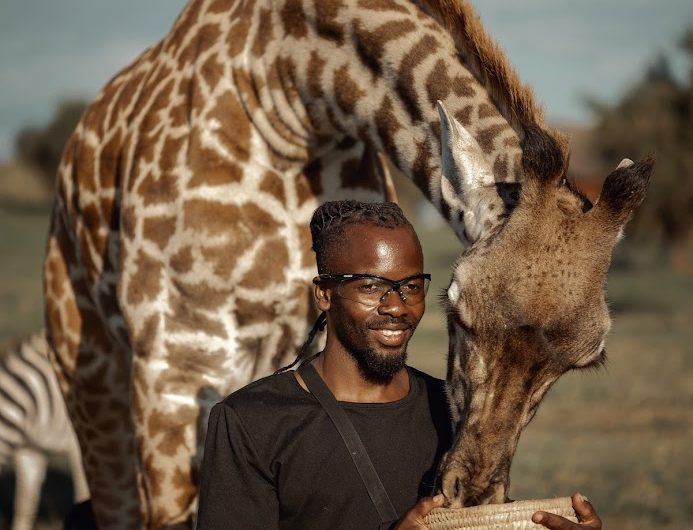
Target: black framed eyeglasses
371 290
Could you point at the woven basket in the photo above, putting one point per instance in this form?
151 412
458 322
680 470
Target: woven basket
511 516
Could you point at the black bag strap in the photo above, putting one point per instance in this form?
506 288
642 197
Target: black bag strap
351 438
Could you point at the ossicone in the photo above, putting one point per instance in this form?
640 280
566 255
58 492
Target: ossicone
624 188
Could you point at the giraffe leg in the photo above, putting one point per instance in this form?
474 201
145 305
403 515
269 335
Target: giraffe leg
93 372
30 470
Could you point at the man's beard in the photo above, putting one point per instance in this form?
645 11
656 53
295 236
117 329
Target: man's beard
374 366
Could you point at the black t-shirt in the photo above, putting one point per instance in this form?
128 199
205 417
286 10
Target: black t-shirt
273 459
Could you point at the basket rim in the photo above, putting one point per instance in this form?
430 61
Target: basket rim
548 504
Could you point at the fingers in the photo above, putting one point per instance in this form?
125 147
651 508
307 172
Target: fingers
553 521
426 504
413 519
586 515
585 512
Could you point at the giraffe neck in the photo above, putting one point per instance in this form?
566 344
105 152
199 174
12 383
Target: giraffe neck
314 76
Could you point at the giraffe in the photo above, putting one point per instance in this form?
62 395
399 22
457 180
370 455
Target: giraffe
178 261
526 302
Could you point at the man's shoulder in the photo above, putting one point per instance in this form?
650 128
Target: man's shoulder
267 392
427 380
433 387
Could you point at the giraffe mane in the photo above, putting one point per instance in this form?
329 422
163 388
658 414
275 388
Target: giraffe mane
488 63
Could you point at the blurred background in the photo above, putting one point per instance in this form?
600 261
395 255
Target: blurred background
616 76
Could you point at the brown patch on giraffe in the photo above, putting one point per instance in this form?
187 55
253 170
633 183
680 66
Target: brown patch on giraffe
486 137
207 36
512 141
179 115
187 362
218 6
182 261
309 183
152 117
500 167
183 483
213 218
294 19
387 126
238 32
405 87
487 110
420 170
143 340
347 90
161 189
305 243
212 70
464 116
171 428
273 184
370 43
326 25
84 170
128 223
200 294
184 317
233 121
269 264
186 20
91 217
249 312
159 229
224 173
264 33
439 84
145 283
223 257
209 166
109 161
248 86
172 147
316 66
382 5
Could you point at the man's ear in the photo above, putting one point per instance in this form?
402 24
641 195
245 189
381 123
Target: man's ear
322 295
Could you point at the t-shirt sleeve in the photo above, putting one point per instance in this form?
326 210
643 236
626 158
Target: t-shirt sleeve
236 488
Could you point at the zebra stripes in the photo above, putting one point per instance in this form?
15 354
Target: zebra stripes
34 423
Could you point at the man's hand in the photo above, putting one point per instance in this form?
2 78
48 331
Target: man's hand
413 519
587 517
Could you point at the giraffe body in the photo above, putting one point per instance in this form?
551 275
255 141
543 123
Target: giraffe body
178 261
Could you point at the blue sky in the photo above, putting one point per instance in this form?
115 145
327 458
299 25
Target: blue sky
52 50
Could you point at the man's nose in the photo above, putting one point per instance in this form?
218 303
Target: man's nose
392 305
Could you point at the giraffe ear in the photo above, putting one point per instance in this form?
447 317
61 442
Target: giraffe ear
467 181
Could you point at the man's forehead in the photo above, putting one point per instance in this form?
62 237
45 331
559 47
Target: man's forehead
371 247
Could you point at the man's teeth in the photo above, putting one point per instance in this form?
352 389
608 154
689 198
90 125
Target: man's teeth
391 332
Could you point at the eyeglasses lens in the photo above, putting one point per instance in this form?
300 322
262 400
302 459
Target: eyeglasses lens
370 291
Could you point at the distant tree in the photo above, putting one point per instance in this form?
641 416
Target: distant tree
655 117
43 147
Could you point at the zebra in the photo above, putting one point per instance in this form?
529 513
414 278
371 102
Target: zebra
33 424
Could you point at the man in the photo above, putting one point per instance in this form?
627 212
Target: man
273 459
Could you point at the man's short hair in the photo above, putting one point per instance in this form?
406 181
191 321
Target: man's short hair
330 219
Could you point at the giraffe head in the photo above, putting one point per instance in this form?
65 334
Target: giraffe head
526 300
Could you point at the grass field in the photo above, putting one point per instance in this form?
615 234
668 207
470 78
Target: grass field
622 436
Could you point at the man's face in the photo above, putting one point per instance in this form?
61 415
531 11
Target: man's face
376 337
